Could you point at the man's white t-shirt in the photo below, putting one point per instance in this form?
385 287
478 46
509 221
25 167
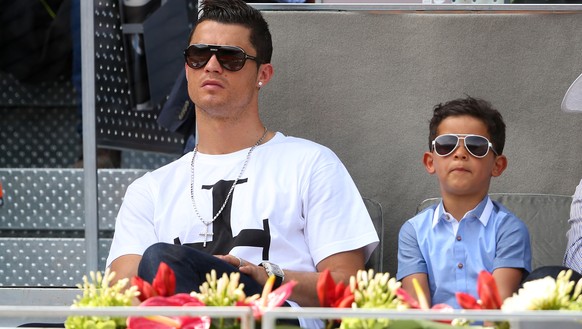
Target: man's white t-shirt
294 205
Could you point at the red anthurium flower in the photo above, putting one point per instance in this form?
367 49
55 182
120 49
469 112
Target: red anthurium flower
271 299
423 304
165 280
405 296
145 288
467 301
181 299
442 307
487 290
164 283
165 322
346 299
412 303
325 288
331 294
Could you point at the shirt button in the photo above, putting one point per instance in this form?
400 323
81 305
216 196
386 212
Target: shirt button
460 265
447 217
459 238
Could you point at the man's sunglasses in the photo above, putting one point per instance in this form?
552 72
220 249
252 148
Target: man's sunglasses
230 57
477 145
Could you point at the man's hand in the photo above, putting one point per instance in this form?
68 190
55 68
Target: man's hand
341 265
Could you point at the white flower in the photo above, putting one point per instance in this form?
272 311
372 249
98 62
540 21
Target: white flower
543 294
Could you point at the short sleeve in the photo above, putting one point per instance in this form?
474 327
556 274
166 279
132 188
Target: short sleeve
513 245
135 215
410 259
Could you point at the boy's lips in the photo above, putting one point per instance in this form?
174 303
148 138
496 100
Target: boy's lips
460 169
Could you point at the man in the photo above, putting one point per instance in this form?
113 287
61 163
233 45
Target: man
573 256
254 197
572 102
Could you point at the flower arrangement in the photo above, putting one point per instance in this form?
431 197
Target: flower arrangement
100 292
543 294
366 290
374 290
224 291
547 294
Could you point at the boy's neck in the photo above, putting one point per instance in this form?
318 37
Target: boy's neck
459 205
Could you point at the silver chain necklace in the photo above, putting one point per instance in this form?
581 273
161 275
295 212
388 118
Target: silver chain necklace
206 223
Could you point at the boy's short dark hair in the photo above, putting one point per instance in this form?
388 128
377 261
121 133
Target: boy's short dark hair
239 12
475 107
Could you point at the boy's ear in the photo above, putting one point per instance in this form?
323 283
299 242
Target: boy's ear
428 162
499 166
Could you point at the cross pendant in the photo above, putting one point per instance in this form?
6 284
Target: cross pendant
206 234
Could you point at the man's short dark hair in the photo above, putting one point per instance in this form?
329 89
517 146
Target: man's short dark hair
474 107
239 12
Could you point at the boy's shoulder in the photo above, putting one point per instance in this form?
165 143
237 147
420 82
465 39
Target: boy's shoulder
424 216
504 215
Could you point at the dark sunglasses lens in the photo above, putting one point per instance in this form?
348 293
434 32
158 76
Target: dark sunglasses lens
445 144
197 56
477 145
232 59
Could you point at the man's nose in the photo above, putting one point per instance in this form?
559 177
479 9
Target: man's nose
213 64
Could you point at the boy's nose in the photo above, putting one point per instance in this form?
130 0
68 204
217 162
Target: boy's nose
461 151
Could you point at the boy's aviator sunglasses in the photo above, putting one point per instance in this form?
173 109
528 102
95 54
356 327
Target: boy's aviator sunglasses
231 58
477 145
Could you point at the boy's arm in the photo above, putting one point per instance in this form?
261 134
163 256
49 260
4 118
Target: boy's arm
513 256
411 263
422 280
507 280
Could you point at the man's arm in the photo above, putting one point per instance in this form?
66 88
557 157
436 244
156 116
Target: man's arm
341 265
507 280
125 267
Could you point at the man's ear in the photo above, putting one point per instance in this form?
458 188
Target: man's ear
266 72
428 161
499 165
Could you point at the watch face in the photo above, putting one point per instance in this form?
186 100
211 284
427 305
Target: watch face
273 269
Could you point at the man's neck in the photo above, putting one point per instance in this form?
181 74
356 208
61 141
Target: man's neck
229 137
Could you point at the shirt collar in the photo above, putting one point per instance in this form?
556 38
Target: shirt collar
482 211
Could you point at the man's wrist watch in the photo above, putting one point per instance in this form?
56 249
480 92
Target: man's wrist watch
274 269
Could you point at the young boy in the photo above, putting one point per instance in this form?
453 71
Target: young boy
446 245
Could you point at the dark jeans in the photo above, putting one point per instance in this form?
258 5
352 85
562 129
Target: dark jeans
551 271
190 266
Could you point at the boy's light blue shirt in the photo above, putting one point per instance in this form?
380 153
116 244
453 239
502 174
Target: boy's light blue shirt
488 237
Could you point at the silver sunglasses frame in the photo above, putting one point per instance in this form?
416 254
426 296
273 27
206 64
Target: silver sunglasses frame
463 137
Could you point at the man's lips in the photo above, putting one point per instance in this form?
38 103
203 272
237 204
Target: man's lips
212 84
460 169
